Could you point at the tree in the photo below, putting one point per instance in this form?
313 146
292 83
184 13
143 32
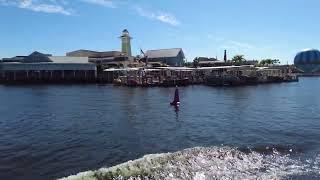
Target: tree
196 62
188 64
276 61
266 62
238 59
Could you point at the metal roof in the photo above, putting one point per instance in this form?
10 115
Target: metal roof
161 53
67 59
122 69
211 62
225 67
89 53
176 68
36 57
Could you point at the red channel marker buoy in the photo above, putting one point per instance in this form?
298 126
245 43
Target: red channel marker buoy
176 100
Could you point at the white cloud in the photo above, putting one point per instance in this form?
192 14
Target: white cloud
106 3
162 17
42 7
59 7
51 6
168 18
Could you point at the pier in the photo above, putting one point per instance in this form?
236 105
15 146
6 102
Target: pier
183 76
78 70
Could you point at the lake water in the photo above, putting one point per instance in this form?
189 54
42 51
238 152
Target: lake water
264 131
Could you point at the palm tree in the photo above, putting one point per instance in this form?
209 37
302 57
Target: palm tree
238 59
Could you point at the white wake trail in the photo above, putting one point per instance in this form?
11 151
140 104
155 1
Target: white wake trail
203 163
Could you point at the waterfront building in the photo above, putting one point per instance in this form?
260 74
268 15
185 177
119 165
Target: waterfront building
170 57
33 57
308 61
213 63
38 67
89 53
110 59
251 62
203 59
216 63
207 62
107 59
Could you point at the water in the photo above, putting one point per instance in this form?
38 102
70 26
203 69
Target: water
265 131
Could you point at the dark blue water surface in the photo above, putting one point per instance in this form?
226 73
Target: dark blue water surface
51 131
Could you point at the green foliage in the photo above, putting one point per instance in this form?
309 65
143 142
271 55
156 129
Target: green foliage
266 62
195 62
238 59
189 64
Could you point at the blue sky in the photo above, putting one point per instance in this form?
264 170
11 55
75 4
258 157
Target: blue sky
256 28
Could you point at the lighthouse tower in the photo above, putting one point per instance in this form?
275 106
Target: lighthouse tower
125 42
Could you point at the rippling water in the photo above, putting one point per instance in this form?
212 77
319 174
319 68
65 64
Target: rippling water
265 131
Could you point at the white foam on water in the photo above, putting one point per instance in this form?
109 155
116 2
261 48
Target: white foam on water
205 163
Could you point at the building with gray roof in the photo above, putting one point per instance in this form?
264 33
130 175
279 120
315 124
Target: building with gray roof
171 57
104 58
40 67
94 54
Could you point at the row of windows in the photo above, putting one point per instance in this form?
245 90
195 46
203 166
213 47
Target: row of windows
46 66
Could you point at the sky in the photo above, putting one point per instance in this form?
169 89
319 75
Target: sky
257 29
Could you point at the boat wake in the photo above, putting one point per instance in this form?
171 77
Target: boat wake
207 163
